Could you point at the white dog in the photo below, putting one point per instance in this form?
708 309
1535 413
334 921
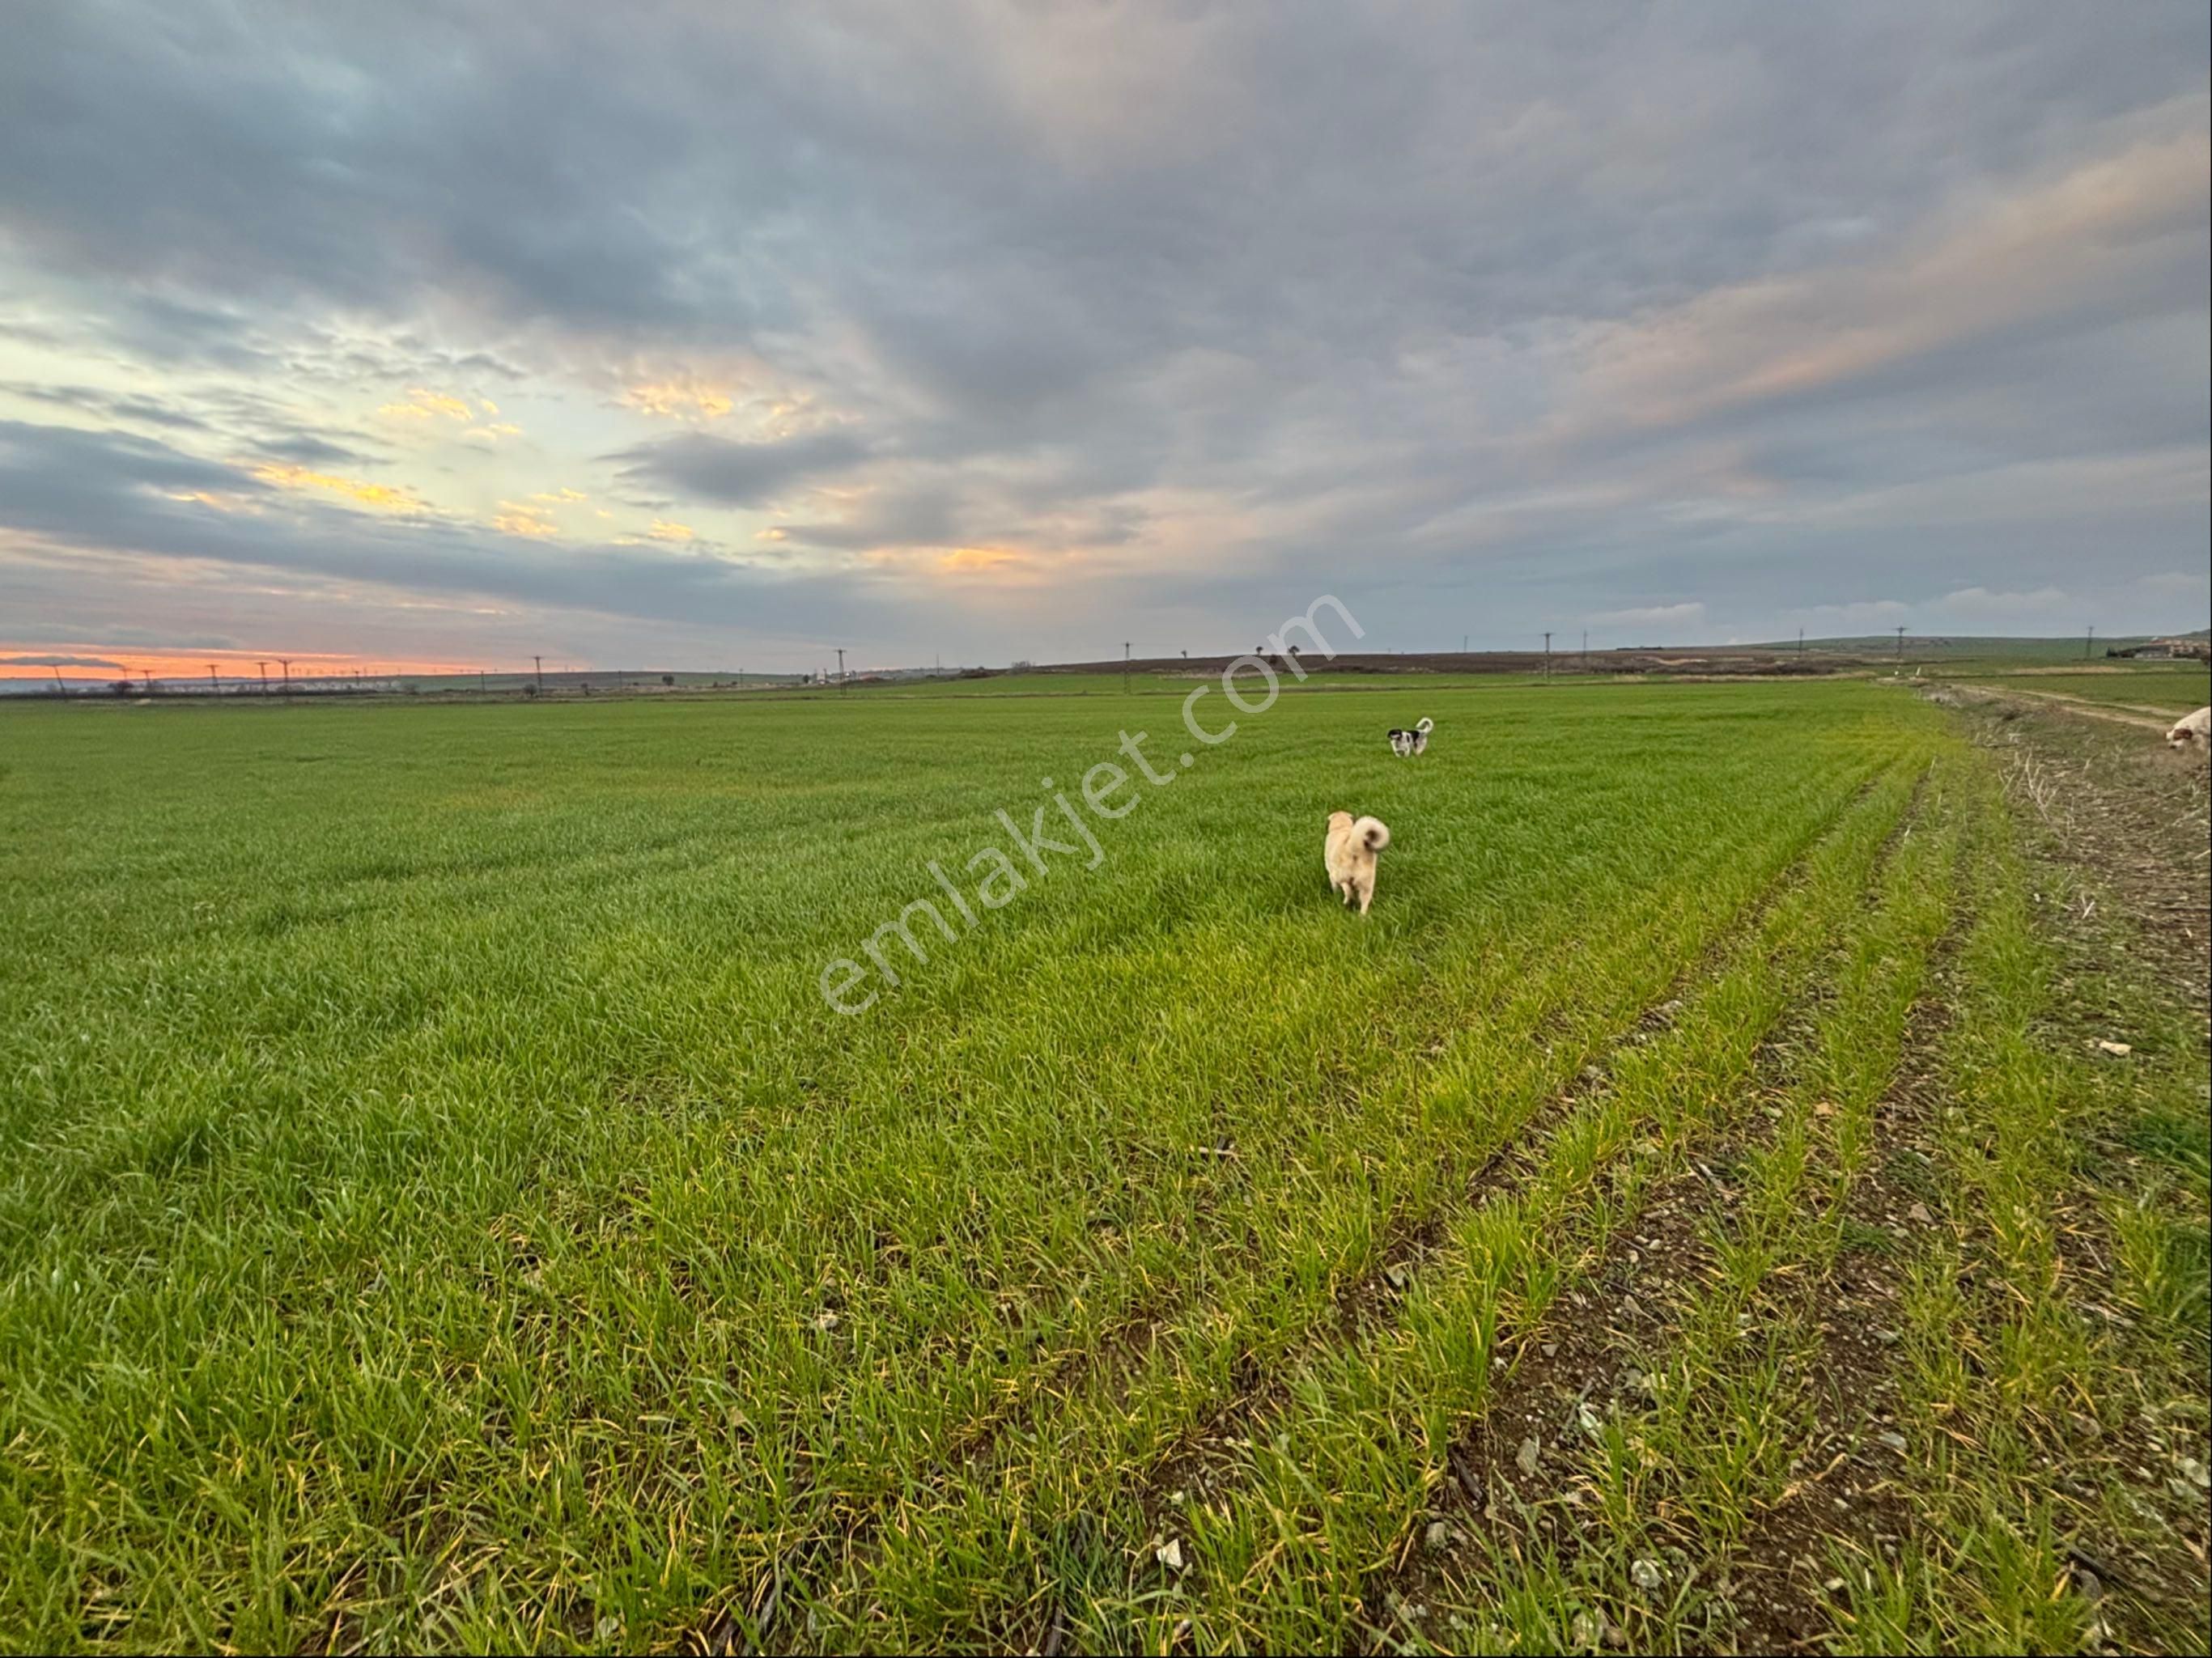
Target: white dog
1349 852
1416 741
2192 728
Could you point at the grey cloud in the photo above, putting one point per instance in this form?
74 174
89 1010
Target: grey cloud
108 493
309 451
113 406
57 662
738 474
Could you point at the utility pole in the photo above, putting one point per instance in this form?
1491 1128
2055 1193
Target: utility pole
1900 642
287 662
540 661
214 690
481 686
1547 658
60 690
841 667
1125 667
1801 642
2089 643
1462 644
264 678
1586 650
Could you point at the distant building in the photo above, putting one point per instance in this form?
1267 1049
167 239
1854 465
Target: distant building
2165 650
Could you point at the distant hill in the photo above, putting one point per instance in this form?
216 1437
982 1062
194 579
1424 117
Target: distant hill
1997 647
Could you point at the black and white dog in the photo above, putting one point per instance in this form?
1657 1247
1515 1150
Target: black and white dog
1415 741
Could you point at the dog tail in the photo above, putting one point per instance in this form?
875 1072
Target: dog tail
1371 834
1425 724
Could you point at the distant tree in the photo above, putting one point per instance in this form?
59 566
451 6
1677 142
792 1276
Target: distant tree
668 679
120 688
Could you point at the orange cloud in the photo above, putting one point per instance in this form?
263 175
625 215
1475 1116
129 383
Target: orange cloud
681 398
423 404
385 497
219 503
519 518
962 560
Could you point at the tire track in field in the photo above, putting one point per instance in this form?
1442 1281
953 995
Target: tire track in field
1370 1301
1365 1302
1117 1357
1273 1395
2034 1258
1773 1596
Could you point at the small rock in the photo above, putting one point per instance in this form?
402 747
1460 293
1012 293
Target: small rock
1396 1276
1551 1350
2118 1050
1616 1638
2194 1472
1525 1458
1582 1633
1895 1442
1169 1554
1919 1213
825 1320
1833 1585
1438 1533
1646 1575
1589 1419
1631 1307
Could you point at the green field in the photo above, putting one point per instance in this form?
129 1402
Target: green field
439 1207
2174 688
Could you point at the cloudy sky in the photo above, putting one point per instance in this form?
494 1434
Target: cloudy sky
706 335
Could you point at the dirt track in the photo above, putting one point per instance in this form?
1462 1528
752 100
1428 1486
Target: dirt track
2118 714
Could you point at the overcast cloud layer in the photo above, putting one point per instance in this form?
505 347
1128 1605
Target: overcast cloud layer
663 334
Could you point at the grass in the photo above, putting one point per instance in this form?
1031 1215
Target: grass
2174 688
441 1210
